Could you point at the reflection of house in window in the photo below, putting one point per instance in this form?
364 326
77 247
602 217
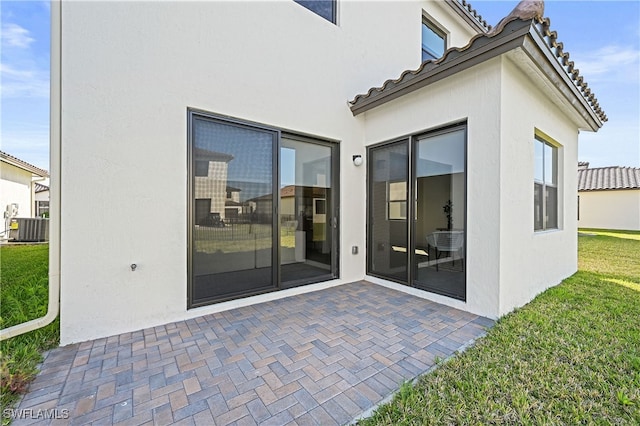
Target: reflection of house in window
232 204
210 182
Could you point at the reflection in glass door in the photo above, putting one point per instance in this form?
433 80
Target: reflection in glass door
439 232
232 201
417 212
388 203
307 224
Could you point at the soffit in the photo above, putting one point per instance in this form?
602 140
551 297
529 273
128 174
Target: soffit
531 36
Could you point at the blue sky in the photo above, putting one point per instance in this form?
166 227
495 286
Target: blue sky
603 38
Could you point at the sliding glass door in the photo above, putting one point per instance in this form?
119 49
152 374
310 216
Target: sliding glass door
439 257
388 206
263 210
308 226
233 195
417 211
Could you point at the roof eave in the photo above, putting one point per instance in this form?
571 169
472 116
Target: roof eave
465 58
516 34
24 166
535 47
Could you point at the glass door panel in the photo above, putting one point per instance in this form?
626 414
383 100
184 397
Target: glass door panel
233 199
439 231
306 218
388 205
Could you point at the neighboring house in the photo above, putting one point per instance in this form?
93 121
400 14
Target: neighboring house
466 195
41 200
609 197
24 190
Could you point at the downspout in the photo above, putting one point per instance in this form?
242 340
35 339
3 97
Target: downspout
54 198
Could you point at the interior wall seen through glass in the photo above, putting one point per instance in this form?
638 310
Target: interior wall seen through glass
439 233
306 197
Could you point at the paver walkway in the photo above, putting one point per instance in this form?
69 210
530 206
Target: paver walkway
318 358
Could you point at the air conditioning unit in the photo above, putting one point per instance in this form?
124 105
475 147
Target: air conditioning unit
29 229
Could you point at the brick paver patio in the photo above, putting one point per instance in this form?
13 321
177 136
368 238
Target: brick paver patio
319 358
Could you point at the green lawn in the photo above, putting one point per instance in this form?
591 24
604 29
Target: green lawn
572 356
23 297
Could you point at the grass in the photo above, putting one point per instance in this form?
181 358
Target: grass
571 356
23 297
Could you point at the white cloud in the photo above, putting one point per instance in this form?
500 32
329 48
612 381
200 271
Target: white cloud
607 61
28 83
14 35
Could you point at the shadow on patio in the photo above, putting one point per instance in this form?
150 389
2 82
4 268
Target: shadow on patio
318 358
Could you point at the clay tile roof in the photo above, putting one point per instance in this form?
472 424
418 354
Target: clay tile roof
482 47
471 12
604 178
10 159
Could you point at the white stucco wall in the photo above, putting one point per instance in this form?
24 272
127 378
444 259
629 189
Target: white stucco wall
16 187
619 209
129 73
507 262
532 261
432 107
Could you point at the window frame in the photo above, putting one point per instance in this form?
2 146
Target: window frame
334 9
332 208
438 31
399 201
545 184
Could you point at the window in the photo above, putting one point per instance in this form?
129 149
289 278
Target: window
42 208
324 8
433 41
545 186
202 168
397 193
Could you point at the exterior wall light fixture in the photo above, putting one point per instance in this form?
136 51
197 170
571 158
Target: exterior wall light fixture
357 160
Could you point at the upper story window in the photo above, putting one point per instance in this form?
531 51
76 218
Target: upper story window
324 8
434 41
545 186
202 168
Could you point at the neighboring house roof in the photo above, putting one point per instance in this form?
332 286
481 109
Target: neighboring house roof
206 155
533 36
41 188
14 161
604 178
469 14
583 164
288 191
232 189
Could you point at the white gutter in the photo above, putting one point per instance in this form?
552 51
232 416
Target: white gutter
54 189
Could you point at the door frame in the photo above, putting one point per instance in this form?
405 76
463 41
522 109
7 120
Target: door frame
334 145
411 142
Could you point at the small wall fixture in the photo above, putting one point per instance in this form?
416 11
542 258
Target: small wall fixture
357 160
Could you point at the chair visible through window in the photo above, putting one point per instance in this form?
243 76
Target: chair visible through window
446 242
